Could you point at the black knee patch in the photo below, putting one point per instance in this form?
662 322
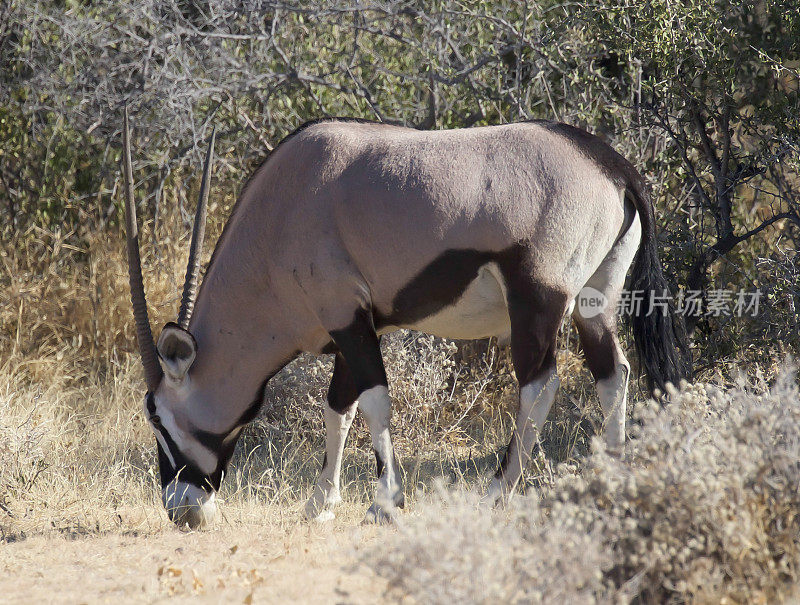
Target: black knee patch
361 350
501 469
342 392
400 497
381 467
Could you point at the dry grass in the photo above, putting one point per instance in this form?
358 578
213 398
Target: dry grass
702 507
77 457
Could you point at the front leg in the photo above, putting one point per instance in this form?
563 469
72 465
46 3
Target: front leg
339 414
376 406
360 348
327 490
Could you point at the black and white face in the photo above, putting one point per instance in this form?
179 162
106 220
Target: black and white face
191 461
189 479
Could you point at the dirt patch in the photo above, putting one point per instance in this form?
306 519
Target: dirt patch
270 563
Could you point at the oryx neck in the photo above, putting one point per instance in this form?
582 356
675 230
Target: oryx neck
232 366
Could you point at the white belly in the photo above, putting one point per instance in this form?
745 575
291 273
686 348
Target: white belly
480 312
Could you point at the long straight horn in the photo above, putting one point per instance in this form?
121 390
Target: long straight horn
147 348
196 247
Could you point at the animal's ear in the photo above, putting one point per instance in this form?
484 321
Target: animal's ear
176 351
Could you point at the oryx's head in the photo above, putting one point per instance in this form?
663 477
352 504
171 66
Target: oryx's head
191 461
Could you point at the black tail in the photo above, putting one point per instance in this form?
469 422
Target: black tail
659 334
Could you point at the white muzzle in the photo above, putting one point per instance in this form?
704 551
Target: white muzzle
189 504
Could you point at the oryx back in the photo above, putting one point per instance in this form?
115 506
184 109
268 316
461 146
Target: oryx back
424 228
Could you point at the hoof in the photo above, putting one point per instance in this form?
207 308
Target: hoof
323 516
320 505
320 511
377 515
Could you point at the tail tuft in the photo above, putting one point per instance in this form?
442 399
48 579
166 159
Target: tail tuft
659 334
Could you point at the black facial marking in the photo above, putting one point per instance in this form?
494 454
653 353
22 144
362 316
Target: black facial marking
188 472
222 444
211 441
223 447
150 402
184 469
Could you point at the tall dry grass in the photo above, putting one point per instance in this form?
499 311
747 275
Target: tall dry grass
75 454
78 457
702 506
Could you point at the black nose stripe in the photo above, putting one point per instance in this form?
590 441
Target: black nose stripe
184 469
189 473
221 445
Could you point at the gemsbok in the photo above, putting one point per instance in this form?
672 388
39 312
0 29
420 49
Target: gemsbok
351 229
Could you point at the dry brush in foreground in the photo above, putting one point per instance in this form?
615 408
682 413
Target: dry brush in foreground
703 507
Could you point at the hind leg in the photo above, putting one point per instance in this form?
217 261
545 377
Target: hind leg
535 315
610 370
598 334
339 414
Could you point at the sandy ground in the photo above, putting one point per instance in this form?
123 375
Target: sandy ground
269 563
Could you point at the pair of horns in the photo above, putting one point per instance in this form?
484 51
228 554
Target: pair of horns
147 346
